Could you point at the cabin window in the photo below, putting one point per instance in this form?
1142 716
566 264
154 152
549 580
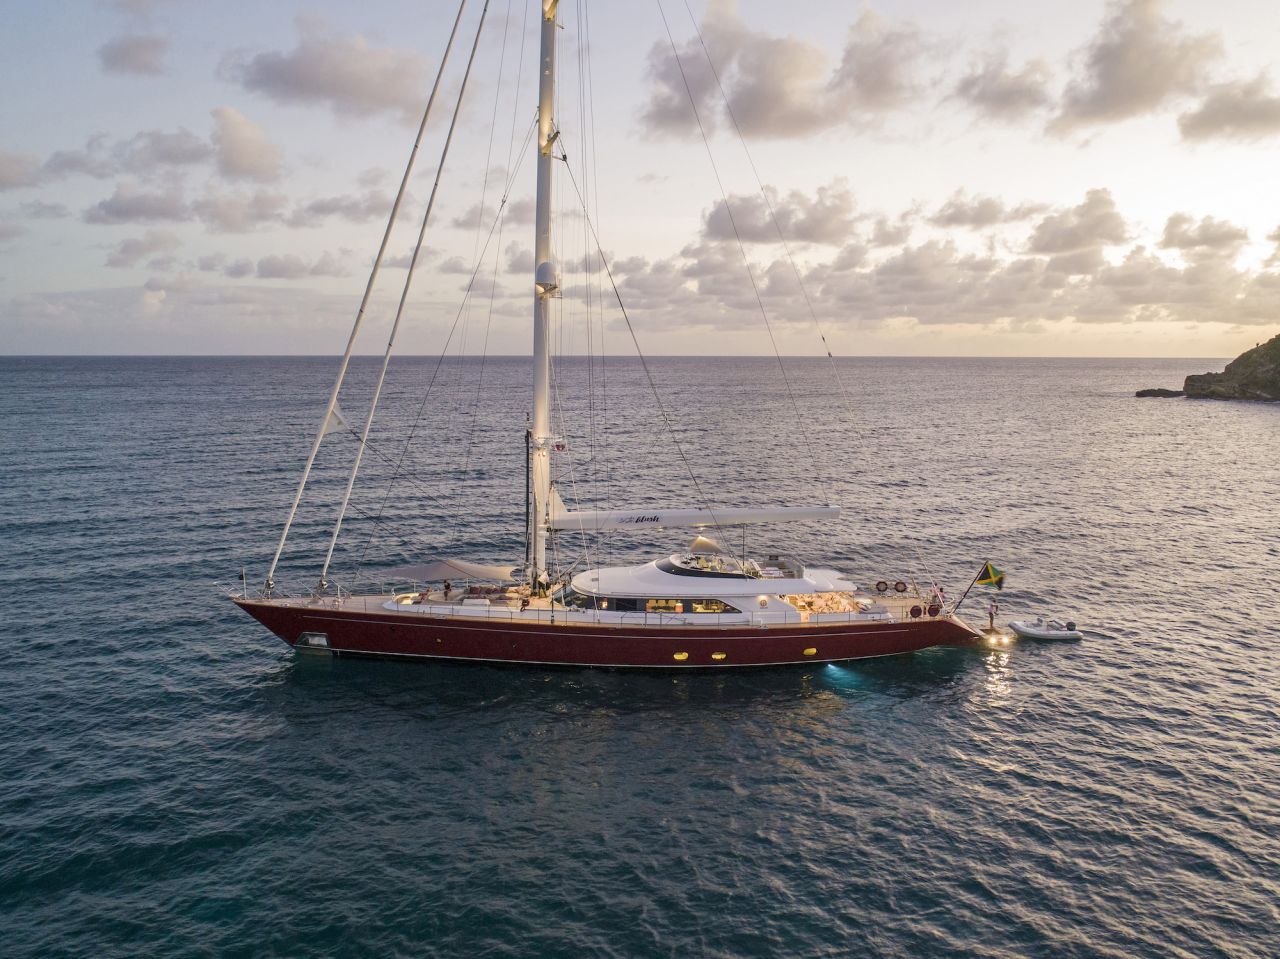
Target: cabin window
698 605
713 606
572 599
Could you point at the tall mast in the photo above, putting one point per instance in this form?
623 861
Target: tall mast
546 284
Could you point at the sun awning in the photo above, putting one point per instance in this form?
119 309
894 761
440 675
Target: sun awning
437 570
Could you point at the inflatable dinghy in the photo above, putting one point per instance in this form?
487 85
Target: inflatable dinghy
1045 629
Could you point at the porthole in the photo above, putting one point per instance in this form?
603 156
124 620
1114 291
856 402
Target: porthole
811 651
680 657
718 656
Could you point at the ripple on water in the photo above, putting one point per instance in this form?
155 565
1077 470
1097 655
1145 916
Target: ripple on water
177 784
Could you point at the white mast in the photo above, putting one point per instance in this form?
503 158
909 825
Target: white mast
546 284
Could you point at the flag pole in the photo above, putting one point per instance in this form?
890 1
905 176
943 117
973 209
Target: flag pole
967 588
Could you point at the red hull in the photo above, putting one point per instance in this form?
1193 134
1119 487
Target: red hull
392 635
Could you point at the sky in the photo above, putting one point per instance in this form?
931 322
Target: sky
906 177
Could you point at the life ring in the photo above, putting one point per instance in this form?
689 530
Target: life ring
882 587
916 611
899 587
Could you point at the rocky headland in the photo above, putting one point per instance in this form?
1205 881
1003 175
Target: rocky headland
1254 375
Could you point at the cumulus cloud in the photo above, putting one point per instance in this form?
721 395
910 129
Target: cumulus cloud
826 217
1242 110
980 211
157 148
240 212
999 93
1094 223
239 269
1138 62
456 264
18 170
140 53
132 251
1208 237
242 149
519 259
877 68
354 208
346 73
781 86
131 204
401 262
290 267
41 210
142 153
517 213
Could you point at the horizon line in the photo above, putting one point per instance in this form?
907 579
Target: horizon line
627 356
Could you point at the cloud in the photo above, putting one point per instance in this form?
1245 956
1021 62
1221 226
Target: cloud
781 86
40 210
517 213
519 259
827 217
1095 222
18 170
130 204
997 93
355 208
240 212
95 160
242 149
1244 110
401 262
142 153
980 211
891 233
290 267
155 148
10 231
1209 236
346 73
456 264
239 269
877 69
134 250
138 53
1137 63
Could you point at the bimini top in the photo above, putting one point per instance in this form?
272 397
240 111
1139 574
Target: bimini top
683 574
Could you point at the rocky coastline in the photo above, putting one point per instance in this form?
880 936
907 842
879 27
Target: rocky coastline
1253 375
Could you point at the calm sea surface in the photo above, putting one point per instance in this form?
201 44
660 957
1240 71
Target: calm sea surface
176 783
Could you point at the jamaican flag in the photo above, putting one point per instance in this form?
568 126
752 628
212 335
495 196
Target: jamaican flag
990 576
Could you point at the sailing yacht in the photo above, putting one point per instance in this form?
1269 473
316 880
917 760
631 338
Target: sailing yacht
700 607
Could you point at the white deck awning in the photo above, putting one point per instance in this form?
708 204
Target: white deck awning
662 518
438 570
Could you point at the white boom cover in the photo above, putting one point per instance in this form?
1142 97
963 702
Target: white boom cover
442 569
662 518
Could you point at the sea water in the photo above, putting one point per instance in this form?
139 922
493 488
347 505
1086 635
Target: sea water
177 782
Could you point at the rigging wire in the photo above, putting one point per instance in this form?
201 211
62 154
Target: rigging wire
497 251
404 294
644 363
408 443
364 302
738 238
773 216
